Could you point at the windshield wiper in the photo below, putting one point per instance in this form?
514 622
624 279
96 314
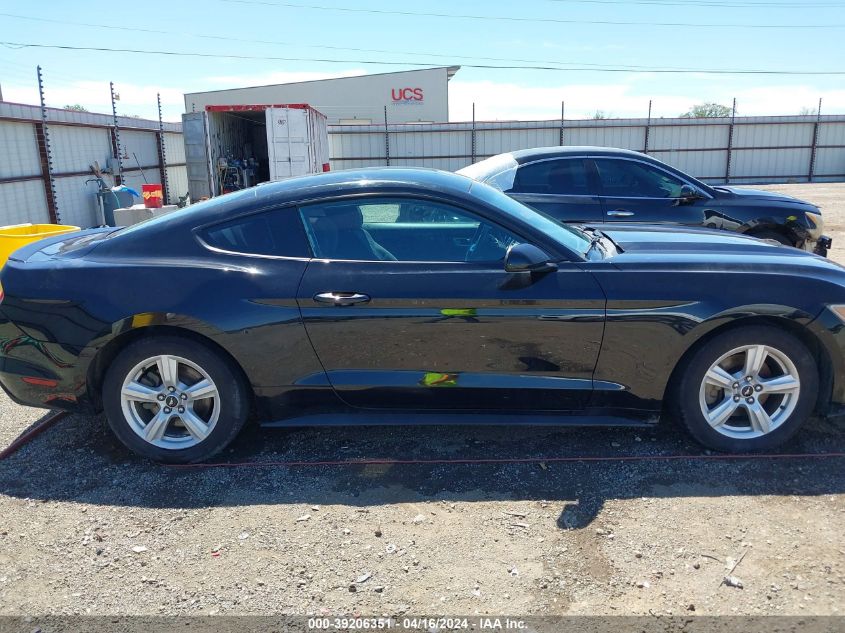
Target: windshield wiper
596 238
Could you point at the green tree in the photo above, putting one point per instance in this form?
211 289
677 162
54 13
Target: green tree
76 108
707 110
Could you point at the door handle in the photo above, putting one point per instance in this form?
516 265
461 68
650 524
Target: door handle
341 298
620 213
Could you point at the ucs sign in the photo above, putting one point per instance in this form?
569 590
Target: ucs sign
406 95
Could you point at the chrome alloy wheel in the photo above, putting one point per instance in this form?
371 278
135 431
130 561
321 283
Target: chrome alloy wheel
749 392
170 402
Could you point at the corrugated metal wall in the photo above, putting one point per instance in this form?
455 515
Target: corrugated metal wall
22 198
77 139
749 150
745 150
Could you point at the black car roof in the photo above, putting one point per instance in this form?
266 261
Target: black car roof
350 180
414 177
487 168
336 183
527 155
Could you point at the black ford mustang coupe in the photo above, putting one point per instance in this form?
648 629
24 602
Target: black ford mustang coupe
410 296
604 184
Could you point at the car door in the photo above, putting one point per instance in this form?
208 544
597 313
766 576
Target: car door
564 188
436 323
636 191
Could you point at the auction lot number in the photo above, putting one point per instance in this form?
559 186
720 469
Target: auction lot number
374 624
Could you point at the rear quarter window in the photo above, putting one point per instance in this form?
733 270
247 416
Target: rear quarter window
278 232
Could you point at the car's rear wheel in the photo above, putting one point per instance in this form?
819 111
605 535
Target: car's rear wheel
748 389
174 400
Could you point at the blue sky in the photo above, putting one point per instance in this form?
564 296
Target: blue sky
300 32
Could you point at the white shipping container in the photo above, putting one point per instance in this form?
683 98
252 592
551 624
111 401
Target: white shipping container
235 146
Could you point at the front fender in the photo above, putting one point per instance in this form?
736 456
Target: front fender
792 229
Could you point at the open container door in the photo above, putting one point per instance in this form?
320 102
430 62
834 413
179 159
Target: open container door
287 142
197 155
320 145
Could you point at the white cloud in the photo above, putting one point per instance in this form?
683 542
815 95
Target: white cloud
626 97
511 101
140 99
135 99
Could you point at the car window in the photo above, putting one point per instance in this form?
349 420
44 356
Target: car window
632 179
406 211
278 232
562 177
402 229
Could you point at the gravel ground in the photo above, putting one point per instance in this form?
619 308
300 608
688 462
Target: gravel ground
85 527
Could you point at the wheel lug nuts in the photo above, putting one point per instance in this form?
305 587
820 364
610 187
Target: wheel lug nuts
758 388
167 409
748 379
184 396
750 400
736 398
172 389
181 409
161 397
736 385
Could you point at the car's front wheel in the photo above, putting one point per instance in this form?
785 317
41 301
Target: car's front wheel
748 389
174 400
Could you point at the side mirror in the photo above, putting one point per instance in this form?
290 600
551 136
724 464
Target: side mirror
688 192
527 258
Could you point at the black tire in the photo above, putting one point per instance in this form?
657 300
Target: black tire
774 236
234 401
687 397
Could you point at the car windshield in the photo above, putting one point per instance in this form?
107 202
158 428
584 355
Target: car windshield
570 237
497 171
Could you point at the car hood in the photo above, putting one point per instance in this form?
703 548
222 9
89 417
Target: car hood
760 194
704 248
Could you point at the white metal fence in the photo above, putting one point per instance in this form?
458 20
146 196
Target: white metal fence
76 140
739 150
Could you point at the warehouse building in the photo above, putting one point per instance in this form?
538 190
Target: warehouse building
414 96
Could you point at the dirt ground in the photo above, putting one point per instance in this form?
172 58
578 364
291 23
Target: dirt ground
86 528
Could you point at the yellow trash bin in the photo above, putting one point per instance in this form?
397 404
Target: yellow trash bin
17 235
